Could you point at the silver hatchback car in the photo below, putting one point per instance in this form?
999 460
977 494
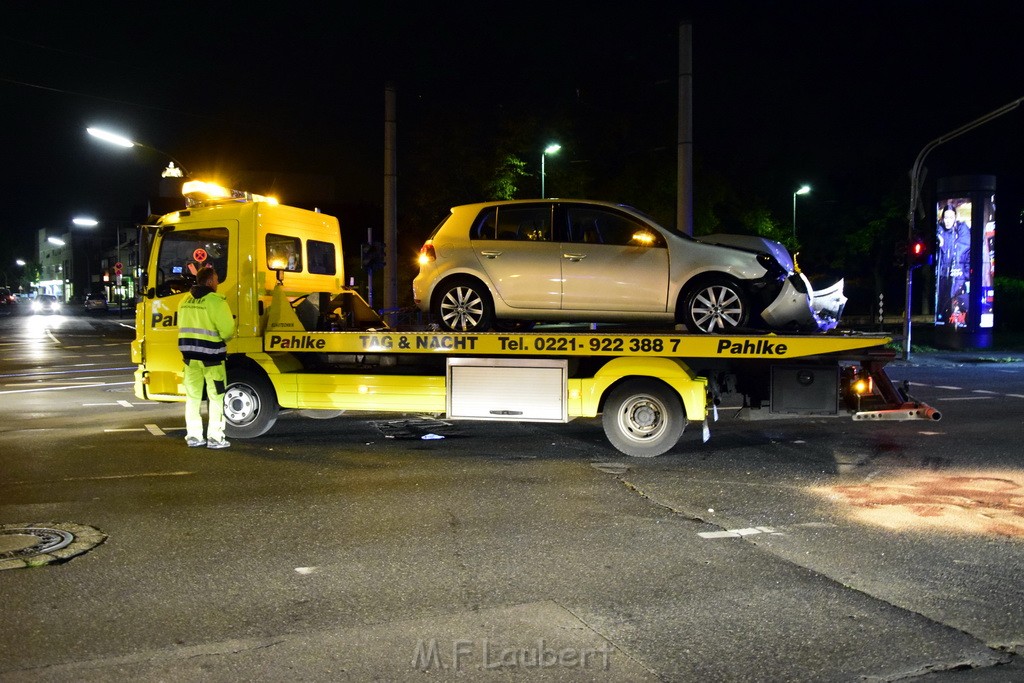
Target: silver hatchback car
507 264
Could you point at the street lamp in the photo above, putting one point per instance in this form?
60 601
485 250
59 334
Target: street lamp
804 189
121 141
550 149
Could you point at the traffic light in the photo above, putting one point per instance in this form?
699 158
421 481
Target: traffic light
899 254
372 255
919 252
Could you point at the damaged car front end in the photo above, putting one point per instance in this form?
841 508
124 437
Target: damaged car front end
787 299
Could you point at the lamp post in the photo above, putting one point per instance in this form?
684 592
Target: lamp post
121 141
550 149
804 189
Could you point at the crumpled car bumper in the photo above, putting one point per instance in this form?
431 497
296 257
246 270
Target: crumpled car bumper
799 306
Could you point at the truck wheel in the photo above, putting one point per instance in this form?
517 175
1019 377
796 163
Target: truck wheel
463 305
715 306
643 418
250 405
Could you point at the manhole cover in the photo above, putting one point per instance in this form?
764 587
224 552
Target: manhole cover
33 545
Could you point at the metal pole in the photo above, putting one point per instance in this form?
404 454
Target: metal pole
794 215
117 271
542 157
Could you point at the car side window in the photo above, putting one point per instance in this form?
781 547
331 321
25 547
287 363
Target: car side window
524 223
484 226
597 226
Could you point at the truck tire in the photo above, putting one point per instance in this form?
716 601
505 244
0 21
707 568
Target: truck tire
463 304
250 404
715 306
643 417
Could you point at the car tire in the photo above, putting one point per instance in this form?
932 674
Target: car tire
643 417
250 404
715 306
463 305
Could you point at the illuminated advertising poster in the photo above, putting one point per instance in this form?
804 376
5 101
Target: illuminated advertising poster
953 261
988 263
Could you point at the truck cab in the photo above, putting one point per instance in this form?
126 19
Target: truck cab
254 243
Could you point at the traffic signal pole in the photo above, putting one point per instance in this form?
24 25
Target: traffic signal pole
915 199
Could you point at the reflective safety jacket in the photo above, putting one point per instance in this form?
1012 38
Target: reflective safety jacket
204 324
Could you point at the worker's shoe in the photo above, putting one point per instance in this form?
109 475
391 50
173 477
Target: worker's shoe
193 442
218 443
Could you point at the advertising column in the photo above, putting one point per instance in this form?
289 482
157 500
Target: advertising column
965 229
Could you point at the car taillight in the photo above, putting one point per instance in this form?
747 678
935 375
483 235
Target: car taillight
427 254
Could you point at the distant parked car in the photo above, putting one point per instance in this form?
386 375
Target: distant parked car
95 302
8 302
499 265
46 303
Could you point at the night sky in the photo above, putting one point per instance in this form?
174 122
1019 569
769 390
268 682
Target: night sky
840 95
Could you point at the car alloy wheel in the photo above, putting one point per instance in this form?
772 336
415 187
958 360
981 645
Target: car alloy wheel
714 307
464 307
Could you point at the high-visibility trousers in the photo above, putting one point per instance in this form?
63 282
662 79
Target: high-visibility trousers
215 379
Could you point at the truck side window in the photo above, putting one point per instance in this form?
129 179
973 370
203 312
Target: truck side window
284 253
183 253
321 257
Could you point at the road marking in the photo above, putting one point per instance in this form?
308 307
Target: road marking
950 388
738 533
984 391
965 398
154 430
75 386
1016 395
182 473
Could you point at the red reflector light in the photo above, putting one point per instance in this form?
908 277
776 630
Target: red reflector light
427 254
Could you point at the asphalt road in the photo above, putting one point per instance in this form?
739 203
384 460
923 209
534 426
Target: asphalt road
354 549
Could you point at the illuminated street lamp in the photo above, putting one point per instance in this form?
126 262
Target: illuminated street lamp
803 190
121 141
550 149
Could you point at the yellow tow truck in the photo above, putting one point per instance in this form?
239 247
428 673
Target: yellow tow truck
306 341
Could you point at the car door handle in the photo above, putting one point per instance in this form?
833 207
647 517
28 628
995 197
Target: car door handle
490 254
575 258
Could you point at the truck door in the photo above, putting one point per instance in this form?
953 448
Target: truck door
176 258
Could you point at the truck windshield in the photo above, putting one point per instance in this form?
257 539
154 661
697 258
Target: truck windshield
183 253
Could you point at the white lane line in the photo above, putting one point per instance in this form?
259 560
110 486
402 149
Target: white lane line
984 391
122 403
50 335
1016 395
76 386
154 430
950 388
182 473
965 398
739 533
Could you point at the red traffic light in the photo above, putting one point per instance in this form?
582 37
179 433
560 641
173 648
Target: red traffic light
919 252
